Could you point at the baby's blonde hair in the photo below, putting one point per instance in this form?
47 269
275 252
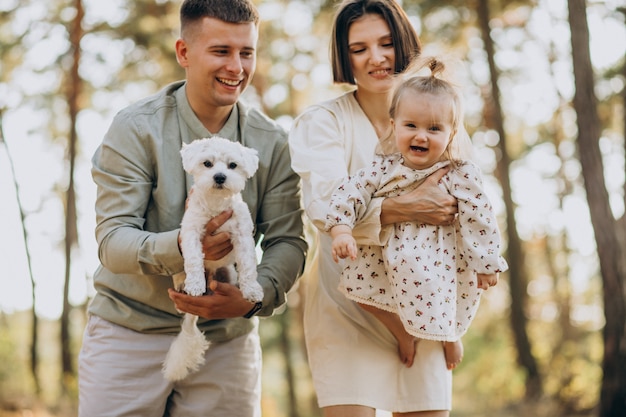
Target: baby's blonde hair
459 147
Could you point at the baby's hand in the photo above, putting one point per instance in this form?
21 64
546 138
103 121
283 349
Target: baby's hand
487 280
344 246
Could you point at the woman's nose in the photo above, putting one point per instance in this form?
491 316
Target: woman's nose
377 57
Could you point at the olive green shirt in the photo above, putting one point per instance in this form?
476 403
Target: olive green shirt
141 193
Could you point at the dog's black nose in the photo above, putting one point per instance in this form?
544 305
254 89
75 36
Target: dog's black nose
219 178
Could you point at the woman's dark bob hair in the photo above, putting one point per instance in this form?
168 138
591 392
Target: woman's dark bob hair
406 43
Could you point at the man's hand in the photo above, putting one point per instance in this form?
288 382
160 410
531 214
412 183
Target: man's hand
216 245
225 302
428 204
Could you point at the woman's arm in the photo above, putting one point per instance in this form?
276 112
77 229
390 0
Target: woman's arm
428 203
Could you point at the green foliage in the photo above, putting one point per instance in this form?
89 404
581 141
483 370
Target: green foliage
489 380
489 365
15 381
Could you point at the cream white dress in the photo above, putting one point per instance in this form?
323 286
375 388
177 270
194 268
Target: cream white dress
352 356
431 269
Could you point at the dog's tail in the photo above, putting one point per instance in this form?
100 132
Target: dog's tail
187 351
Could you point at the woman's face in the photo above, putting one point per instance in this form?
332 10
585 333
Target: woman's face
372 55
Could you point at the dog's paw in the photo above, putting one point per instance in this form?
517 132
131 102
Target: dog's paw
252 291
195 285
179 281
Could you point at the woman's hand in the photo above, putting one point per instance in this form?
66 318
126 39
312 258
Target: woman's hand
428 204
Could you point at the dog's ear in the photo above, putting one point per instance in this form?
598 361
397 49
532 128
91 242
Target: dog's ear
190 154
251 161
186 154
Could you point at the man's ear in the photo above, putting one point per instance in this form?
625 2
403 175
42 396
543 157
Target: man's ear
181 52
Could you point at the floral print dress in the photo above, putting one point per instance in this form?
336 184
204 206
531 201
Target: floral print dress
431 270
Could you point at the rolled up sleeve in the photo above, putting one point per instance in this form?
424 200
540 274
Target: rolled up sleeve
322 157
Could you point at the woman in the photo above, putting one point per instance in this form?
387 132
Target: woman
353 357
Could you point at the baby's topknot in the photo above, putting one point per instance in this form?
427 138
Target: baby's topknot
436 66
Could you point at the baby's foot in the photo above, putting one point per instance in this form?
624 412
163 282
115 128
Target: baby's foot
454 353
407 347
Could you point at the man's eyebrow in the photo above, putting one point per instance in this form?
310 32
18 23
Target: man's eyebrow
245 48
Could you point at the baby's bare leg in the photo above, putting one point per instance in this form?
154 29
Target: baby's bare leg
406 342
454 353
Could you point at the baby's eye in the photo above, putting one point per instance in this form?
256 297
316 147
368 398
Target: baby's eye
435 128
232 165
208 164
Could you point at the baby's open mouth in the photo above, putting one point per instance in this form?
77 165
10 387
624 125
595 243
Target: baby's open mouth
418 149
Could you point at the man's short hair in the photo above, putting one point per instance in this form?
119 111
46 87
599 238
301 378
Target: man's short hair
230 11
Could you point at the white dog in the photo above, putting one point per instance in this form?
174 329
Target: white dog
220 169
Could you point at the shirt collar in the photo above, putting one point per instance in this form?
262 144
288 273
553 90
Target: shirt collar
230 130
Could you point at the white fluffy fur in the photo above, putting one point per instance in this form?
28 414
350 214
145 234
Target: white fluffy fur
220 169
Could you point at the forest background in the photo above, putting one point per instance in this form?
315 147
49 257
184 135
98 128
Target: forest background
544 88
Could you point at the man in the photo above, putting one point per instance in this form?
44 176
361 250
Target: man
141 196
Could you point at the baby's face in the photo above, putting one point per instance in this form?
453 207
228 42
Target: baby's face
423 126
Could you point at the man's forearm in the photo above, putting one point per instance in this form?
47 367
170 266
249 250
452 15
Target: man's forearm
281 266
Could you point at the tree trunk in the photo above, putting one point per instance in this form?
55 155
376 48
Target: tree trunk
610 253
286 347
622 221
515 252
34 334
71 236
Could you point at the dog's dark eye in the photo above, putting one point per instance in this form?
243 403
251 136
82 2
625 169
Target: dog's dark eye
208 164
232 165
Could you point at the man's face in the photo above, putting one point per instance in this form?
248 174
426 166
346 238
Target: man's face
219 59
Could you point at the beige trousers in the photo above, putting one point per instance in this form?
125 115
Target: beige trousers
120 375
